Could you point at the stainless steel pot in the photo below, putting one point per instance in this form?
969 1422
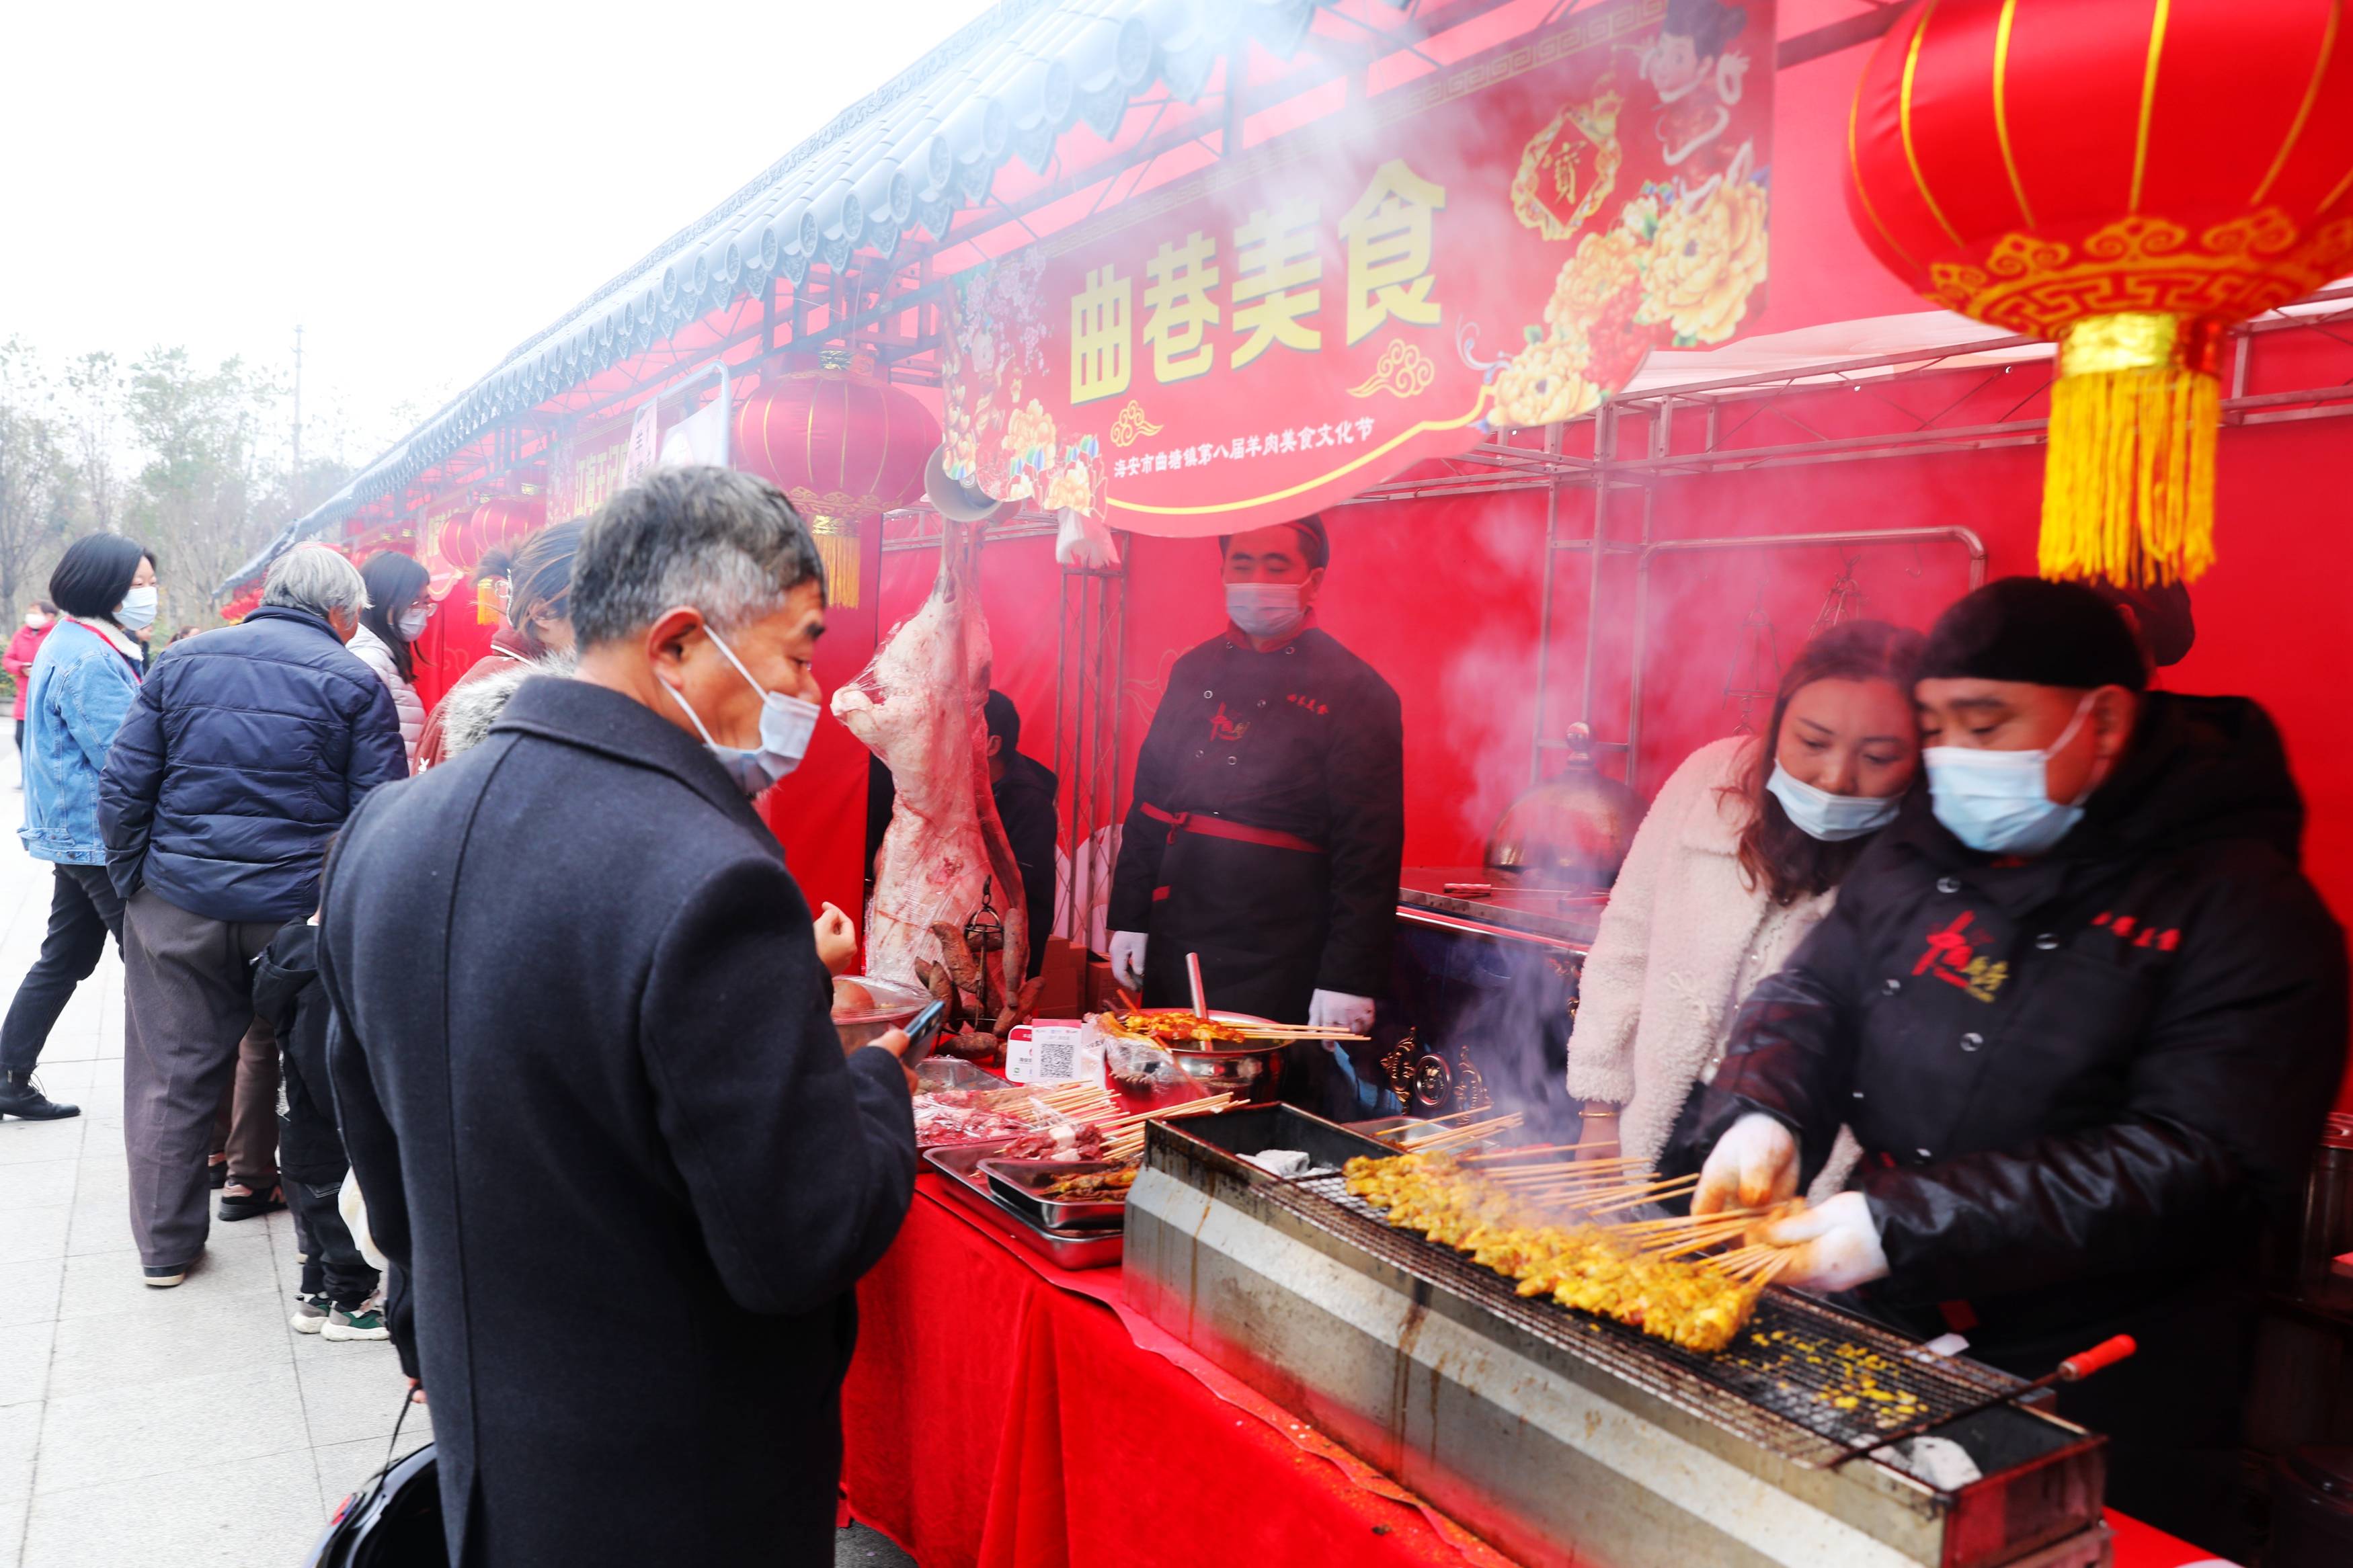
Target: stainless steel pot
894 1007
2328 1228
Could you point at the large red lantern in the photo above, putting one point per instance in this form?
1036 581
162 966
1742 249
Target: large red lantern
460 545
842 444
2127 178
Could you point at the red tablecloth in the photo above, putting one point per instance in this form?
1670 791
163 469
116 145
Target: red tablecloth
1004 1412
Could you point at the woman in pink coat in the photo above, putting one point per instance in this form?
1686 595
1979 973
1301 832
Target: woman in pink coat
39 616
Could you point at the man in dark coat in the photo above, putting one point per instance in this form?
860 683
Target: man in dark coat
1269 817
589 1082
2084 1014
246 749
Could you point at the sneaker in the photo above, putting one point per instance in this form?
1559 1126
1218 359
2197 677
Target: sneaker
356 1324
19 1097
241 1202
216 1173
163 1279
310 1315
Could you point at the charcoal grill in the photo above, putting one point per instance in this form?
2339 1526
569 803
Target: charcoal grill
1562 1438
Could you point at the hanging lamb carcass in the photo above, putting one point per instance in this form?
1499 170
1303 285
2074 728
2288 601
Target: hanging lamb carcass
919 705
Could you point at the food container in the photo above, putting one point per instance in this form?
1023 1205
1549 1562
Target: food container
1023 1182
894 1007
1064 1248
952 1072
1250 1073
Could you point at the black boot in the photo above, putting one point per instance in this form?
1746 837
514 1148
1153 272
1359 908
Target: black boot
20 1097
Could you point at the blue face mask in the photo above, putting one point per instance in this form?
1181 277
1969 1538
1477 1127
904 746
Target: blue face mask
1818 813
1265 610
786 725
1998 803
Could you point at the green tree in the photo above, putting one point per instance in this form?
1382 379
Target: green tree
199 499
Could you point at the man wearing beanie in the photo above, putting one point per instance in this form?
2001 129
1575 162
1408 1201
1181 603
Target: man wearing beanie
2085 1015
1269 820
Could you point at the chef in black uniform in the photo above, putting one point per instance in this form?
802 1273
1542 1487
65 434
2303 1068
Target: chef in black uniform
1269 816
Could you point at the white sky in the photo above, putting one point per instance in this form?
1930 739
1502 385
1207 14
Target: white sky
421 187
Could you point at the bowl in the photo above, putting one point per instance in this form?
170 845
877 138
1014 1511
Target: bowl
1249 1073
894 1007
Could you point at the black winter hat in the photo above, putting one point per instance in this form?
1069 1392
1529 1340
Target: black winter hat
2024 628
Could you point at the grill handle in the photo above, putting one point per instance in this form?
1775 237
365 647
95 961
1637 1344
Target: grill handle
2075 1369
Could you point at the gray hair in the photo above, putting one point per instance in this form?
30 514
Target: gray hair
728 544
317 578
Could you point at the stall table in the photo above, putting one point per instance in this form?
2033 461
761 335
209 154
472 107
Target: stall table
1002 1411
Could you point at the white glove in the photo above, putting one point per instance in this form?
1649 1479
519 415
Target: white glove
1837 1242
1340 1013
1754 1164
1127 958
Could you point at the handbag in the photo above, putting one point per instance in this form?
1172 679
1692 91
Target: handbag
393 1521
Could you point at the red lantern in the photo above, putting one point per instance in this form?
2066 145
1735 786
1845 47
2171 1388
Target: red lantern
2127 178
842 444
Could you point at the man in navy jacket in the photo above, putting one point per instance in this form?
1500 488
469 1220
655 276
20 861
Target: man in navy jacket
245 751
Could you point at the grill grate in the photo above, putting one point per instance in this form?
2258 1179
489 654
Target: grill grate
1778 1385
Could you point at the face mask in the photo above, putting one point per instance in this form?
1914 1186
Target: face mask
412 626
137 609
1818 813
786 725
34 619
1265 610
1998 803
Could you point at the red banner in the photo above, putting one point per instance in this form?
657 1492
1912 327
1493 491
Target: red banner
584 468
1499 243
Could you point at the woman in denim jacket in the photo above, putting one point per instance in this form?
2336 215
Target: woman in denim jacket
82 683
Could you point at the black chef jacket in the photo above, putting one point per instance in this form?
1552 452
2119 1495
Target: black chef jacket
2081 1082
1300 743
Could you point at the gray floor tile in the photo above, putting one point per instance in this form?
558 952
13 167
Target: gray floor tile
39 1184
257 1513
172 1335
20 1431
30 1234
29 1291
343 1466
12 1532
25 1361
110 1281
161 1429
351 1390
24 1141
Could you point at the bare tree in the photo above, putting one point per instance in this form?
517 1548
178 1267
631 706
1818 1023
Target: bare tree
197 499
35 475
94 384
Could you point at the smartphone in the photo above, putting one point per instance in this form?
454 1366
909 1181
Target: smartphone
922 1031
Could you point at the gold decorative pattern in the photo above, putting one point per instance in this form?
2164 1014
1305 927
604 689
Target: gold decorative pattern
1132 426
2148 100
837 547
1854 172
1568 169
2144 264
1404 371
2001 107
1904 120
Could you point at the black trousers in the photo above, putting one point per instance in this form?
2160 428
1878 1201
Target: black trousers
83 908
334 1267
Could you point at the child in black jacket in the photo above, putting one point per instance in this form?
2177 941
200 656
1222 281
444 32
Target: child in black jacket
337 1281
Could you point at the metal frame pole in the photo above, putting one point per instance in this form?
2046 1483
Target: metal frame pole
1544 611
1605 453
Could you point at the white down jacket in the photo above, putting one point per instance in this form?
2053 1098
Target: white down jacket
377 653
1682 942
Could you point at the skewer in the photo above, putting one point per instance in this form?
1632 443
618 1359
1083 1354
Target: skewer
1201 997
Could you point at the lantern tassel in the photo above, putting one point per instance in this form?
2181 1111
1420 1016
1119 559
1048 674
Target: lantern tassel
837 544
2128 486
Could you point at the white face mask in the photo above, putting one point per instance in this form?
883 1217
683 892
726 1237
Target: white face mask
34 619
137 609
1265 610
1831 818
411 625
786 725
1998 803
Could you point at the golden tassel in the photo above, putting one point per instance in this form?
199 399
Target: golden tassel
837 547
2128 485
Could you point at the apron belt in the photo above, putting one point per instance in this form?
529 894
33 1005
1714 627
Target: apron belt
1218 828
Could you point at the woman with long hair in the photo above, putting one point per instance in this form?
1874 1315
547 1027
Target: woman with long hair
82 683
398 607
538 630
1739 859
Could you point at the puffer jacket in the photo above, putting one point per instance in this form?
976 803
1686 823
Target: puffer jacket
2080 1080
84 679
378 655
245 752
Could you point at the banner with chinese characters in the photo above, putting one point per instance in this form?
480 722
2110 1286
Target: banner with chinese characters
1501 242
585 466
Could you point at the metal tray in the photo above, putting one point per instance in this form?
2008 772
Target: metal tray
1073 1249
1022 1184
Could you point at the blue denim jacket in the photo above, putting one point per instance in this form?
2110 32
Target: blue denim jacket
80 688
